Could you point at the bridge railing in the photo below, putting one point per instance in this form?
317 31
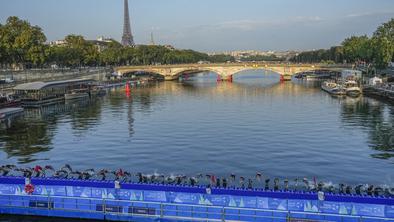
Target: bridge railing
110 209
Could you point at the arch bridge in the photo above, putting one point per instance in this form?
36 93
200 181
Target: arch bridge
227 70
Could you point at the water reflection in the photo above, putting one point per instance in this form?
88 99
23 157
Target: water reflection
33 133
84 116
291 129
130 115
26 138
376 118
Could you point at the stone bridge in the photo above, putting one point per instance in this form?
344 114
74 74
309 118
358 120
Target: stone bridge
227 70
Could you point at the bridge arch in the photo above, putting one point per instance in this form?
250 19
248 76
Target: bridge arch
255 69
195 71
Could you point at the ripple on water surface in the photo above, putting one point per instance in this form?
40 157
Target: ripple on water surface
253 124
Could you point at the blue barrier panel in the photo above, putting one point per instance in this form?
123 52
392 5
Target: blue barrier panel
186 198
389 211
277 204
85 192
231 214
84 205
184 211
90 195
97 192
66 203
109 208
279 215
296 205
214 213
45 204
315 217
19 201
76 214
264 215
5 201
124 194
350 219
155 206
219 200
169 210
372 210
247 215
124 205
155 196
200 212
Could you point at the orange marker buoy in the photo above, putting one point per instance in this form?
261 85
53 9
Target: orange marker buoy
127 86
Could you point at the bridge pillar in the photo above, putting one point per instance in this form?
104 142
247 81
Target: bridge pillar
170 78
226 78
285 77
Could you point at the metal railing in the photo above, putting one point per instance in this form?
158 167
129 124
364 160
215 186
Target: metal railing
174 211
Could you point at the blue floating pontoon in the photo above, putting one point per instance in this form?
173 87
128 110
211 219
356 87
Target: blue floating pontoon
109 200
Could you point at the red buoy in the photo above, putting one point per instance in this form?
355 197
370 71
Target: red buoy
282 78
127 86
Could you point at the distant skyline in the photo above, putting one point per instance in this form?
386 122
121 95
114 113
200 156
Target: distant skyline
209 25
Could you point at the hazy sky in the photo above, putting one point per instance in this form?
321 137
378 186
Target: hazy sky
209 25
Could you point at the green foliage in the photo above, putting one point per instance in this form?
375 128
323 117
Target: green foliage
81 52
382 51
150 55
21 43
334 54
378 50
386 30
357 48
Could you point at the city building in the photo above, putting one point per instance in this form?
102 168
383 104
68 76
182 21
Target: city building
240 54
101 43
58 43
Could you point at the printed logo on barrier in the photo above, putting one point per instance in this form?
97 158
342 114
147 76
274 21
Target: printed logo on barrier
277 204
189 198
7 189
156 196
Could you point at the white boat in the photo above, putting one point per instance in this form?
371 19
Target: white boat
375 81
352 88
76 94
333 88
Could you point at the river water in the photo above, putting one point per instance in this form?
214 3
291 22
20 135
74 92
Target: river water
256 123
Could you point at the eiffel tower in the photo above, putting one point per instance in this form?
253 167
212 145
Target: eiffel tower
127 38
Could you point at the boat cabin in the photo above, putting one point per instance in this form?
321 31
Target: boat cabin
350 74
42 91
